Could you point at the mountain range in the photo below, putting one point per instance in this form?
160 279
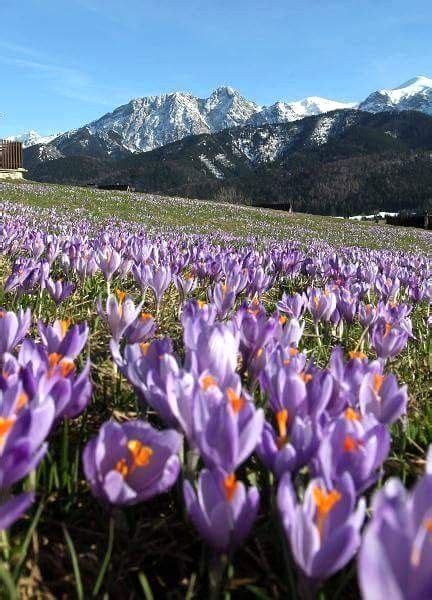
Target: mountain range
153 121
228 147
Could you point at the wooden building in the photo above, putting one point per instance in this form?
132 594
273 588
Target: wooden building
11 160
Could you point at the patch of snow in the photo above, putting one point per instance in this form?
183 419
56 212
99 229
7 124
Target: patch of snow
211 167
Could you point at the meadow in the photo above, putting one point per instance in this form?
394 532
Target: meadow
207 400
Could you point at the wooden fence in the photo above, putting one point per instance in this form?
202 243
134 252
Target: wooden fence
11 155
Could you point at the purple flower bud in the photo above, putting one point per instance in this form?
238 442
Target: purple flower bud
223 511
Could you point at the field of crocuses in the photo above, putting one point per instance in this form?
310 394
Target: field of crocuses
232 405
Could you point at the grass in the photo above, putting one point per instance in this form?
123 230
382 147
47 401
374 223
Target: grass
194 216
68 546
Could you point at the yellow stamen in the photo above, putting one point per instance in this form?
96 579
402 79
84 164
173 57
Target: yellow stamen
356 354
201 304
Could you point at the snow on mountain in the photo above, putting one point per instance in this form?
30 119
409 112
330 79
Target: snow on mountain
31 138
147 123
153 121
283 112
415 94
150 122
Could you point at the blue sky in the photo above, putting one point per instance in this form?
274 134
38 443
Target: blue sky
66 62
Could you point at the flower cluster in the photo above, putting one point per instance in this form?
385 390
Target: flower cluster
39 385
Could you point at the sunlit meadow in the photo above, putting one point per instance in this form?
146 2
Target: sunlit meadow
206 400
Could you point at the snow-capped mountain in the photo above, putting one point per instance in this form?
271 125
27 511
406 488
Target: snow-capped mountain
285 112
147 123
144 124
31 138
415 94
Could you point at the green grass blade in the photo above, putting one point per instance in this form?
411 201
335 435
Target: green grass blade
75 563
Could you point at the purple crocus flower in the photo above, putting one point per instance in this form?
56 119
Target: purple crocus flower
59 290
185 284
324 529
293 306
13 328
387 339
223 298
223 510
108 260
381 396
23 429
120 312
227 432
281 453
63 339
322 304
212 348
159 280
354 445
131 462
395 555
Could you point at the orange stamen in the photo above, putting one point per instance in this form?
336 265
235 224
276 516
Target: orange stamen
64 326
237 403
201 304
325 502
54 359
350 444
5 426
306 377
356 354
22 401
140 454
283 319
145 316
122 467
352 415
229 486
144 347
378 380
120 296
388 328
282 420
66 367
207 382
